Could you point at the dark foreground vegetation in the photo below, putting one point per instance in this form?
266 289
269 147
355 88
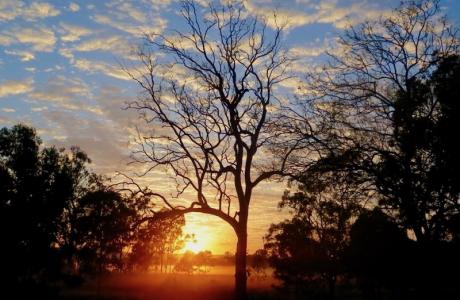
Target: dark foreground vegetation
370 149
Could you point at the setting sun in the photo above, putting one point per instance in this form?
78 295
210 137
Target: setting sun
194 246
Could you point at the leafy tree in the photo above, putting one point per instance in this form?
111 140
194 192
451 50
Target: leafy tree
186 263
203 261
260 263
37 186
156 241
419 179
389 101
379 254
103 228
296 255
325 207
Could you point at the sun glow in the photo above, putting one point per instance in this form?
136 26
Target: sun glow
194 246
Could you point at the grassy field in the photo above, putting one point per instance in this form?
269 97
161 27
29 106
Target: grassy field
218 284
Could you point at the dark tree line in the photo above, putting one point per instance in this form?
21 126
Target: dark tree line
59 221
381 206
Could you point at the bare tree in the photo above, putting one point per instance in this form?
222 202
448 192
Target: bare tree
212 123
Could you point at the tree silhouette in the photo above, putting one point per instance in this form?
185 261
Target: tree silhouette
379 254
298 258
419 177
213 120
103 230
385 102
156 241
59 220
325 204
203 261
36 187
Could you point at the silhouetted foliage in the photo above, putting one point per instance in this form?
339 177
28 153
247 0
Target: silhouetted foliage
419 178
379 254
299 260
103 230
59 221
386 111
259 264
203 261
325 204
37 186
155 243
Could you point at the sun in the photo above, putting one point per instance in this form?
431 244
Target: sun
193 246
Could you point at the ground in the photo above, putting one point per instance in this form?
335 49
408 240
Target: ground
217 284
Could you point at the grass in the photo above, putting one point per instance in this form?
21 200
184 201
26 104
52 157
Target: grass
215 285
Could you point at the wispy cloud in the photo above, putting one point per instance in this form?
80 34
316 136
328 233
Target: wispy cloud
24 55
72 33
292 14
67 93
12 9
15 87
74 7
38 38
8 110
101 67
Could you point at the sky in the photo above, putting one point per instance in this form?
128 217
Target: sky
60 71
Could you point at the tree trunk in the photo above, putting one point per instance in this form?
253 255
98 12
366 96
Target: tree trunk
240 259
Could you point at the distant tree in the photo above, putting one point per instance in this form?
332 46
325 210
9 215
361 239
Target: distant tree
203 261
307 251
156 241
325 201
186 263
260 263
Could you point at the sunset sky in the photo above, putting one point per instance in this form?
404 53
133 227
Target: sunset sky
60 72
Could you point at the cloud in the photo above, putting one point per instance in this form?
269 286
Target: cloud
125 17
136 30
133 12
301 13
12 9
101 67
67 53
5 40
101 139
15 87
74 7
157 4
114 44
24 55
313 49
64 92
72 33
39 38
39 108
8 110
